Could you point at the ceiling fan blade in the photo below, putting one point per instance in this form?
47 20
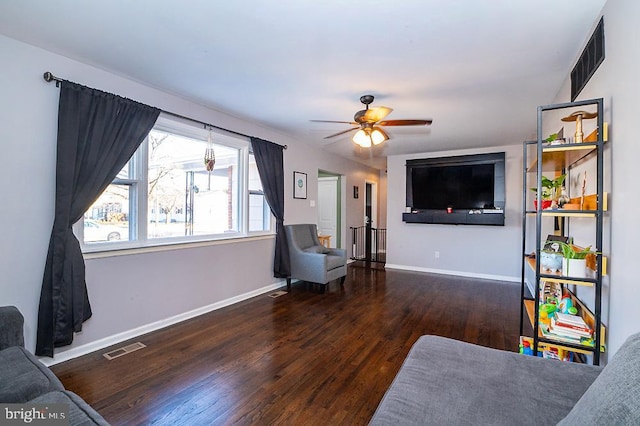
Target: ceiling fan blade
341 133
375 114
405 122
332 121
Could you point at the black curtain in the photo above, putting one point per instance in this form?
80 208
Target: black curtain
271 170
98 133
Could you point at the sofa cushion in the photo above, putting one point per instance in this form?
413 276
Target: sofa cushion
444 381
614 397
80 413
11 331
23 376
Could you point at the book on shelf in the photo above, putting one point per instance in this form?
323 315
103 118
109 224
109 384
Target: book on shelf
570 320
568 331
580 329
576 340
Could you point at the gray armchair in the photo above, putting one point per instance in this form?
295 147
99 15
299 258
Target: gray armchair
310 260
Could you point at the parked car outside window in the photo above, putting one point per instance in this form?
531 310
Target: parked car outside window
95 231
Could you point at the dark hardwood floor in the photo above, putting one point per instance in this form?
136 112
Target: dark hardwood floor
304 358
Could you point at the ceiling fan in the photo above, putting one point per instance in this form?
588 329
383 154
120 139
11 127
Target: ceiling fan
369 122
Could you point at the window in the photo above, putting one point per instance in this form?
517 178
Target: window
259 213
165 194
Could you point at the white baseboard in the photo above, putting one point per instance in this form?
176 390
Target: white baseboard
147 328
456 273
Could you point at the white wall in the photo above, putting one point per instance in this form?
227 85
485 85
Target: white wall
467 250
616 80
128 292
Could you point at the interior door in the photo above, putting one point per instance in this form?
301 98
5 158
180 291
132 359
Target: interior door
328 208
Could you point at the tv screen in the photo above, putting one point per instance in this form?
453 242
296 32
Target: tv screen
462 182
460 187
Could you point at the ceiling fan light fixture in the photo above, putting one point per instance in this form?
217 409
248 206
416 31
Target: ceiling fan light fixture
378 136
363 138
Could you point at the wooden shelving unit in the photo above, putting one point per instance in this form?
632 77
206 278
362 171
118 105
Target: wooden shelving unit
543 157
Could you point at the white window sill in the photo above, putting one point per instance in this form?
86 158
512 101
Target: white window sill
112 252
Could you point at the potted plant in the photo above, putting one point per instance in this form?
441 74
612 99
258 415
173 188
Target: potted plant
574 261
550 191
554 139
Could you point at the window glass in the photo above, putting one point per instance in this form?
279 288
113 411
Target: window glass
108 218
185 199
259 212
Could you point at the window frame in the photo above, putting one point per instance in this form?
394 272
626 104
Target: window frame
138 181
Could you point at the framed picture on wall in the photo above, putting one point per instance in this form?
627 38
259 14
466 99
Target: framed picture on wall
299 185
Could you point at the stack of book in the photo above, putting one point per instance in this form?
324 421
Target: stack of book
570 328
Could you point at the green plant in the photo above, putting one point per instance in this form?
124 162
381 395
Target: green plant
550 186
569 251
551 137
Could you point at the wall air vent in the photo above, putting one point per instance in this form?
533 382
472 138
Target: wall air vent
589 61
116 353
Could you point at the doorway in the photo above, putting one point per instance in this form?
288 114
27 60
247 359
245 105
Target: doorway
329 223
371 204
369 243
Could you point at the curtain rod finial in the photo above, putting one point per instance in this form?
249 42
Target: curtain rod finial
48 77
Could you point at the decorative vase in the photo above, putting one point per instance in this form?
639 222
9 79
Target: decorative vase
545 204
576 268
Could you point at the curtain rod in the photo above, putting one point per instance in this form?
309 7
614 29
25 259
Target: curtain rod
48 77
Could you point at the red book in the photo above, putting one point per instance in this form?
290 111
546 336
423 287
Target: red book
570 328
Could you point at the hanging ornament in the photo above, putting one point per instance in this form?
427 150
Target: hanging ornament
209 155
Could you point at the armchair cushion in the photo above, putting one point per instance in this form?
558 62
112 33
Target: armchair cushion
334 262
317 249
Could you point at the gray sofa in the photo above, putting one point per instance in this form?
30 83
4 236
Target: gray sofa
25 380
444 381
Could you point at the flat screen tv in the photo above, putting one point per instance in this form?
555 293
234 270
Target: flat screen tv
465 183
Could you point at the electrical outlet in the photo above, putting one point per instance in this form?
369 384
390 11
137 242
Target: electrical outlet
437 254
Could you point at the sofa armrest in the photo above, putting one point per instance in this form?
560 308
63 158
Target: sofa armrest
11 327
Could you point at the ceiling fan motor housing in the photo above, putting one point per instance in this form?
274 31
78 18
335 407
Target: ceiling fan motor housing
359 117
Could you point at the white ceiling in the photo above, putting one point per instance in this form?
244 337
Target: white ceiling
477 68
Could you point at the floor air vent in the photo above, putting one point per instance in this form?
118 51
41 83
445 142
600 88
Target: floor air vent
277 294
124 350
